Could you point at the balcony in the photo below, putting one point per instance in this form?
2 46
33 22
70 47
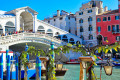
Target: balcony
115 31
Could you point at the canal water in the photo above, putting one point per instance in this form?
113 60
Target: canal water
74 71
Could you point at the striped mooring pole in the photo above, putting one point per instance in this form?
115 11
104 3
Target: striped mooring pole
53 54
11 59
26 47
8 67
52 48
16 58
27 66
1 67
26 73
12 76
38 69
7 51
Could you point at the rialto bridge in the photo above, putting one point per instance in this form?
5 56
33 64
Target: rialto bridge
25 20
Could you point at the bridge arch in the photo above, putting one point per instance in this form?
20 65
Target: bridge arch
26 21
71 41
78 42
9 23
65 38
49 32
9 27
57 35
1 30
41 29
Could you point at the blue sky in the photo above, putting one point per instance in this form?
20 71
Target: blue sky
47 8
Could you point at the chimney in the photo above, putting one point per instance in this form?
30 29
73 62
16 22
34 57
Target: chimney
105 8
58 13
119 5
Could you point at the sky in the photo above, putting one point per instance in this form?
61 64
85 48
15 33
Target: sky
47 8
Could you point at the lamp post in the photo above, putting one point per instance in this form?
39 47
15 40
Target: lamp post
107 67
83 65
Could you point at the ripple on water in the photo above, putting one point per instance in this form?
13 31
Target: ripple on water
74 71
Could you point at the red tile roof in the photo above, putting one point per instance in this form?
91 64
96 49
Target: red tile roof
109 12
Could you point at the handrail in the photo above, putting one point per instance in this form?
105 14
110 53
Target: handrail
20 36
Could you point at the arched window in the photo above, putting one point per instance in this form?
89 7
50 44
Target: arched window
64 38
41 29
1 30
1 27
71 41
81 29
10 24
90 18
9 27
82 37
91 45
98 19
57 35
81 21
90 28
77 42
90 37
49 32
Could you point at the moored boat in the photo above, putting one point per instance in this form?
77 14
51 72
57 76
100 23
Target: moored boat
116 63
73 61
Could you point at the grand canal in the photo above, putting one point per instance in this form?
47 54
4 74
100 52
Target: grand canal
74 71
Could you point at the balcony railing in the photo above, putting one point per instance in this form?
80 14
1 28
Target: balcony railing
115 31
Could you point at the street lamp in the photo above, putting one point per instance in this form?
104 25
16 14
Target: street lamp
108 69
59 65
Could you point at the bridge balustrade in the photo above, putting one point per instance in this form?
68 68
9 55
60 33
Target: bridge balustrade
32 37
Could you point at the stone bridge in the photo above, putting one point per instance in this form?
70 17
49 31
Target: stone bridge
6 41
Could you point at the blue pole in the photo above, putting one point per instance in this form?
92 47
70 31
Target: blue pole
36 68
11 59
1 67
39 68
52 48
27 57
26 47
7 51
27 66
8 68
53 56
16 67
11 75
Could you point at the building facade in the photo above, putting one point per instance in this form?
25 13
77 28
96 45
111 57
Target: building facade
86 21
108 26
82 23
63 20
92 23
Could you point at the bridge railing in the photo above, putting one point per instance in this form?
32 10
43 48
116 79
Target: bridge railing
20 36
